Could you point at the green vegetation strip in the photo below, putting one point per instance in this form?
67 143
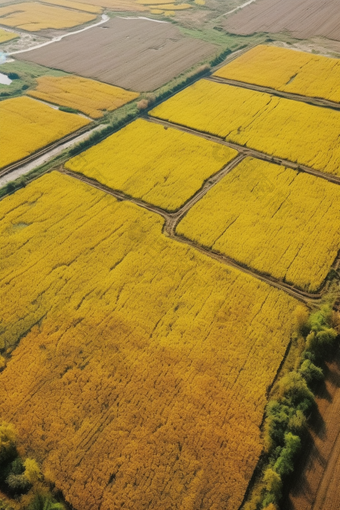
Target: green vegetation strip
293 405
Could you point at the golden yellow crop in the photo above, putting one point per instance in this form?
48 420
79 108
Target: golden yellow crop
76 5
288 129
287 70
290 227
173 7
88 96
164 167
141 374
5 35
33 16
31 125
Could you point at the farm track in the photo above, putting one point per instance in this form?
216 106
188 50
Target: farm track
314 101
173 218
247 151
14 166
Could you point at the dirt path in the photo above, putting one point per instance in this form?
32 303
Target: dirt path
247 151
314 101
22 167
172 219
316 488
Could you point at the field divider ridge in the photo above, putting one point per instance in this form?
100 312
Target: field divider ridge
313 101
248 151
44 150
173 218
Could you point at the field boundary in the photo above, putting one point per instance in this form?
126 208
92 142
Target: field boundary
313 101
248 151
41 152
172 219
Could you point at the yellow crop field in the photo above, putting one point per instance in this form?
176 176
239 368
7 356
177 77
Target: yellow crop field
80 6
33 16
5 35
287 70
89 96
290 227
162 167
31 125
288 129
138 381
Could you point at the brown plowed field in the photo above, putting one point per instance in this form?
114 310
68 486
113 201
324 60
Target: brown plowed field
317 488
135 54
302 18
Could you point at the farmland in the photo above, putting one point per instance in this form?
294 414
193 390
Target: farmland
135 54
137 354
30 126
298 72
165 168
88 96
301 18
290 218
33 16
260 121
5 35
80 6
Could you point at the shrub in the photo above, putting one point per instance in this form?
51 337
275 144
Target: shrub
18 484
32 471
7 443
45 502
311 372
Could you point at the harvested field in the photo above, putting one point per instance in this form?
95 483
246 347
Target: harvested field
134 54
33 16
302 18
88 96
287 70
139 379
162 167
316 486
287 129
290 227
31 125
5 35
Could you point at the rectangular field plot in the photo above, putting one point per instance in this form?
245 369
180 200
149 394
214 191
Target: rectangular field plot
30 126
164 167
287 70
288 129
88 96
135 54
140 360
303 19
272 219
34 16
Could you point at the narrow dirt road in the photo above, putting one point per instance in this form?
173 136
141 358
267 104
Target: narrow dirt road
314 101
172 219
317 486
247 151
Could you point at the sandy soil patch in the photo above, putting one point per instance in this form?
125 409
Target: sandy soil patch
135 54
302 18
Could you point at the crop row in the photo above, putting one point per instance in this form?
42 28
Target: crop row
287 70
292 130
272 219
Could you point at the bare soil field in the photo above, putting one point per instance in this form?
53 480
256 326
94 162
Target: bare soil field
302 18
317 486
135 54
